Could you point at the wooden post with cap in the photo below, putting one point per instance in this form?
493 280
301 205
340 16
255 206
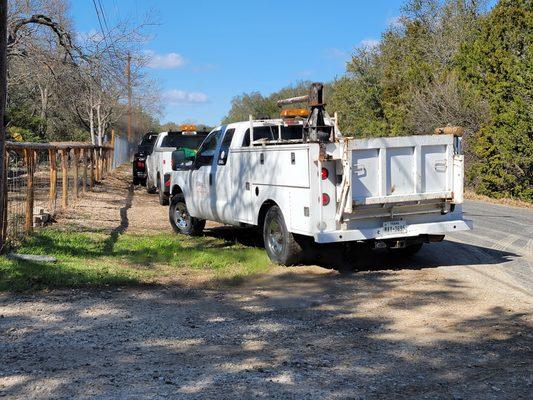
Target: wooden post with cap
64 178
29 160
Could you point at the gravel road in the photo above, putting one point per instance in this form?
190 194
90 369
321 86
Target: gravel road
452 323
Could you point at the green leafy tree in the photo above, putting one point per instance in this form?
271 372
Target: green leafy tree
499 64
260 106
380 93
358 97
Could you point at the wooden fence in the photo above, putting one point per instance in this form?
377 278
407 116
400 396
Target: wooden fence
33 173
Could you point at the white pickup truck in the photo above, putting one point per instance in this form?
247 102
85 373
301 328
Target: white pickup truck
158 162
302 182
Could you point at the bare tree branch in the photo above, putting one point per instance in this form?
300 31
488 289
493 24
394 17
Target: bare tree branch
63 36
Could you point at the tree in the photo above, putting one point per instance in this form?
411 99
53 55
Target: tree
71 84
358 97
499 64
259 106
382 90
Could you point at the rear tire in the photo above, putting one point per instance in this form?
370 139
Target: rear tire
163 198
150 188
280 244
180 219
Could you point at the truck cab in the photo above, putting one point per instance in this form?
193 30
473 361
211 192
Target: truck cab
158 162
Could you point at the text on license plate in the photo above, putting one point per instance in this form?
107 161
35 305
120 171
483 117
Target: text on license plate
391 227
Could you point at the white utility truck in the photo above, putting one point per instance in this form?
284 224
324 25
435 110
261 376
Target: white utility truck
300 180
158 162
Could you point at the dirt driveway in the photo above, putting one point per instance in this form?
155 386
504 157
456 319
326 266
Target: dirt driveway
453 323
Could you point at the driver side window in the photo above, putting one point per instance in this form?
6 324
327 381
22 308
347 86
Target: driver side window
207 149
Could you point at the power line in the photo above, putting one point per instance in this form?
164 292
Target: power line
100 22
103 16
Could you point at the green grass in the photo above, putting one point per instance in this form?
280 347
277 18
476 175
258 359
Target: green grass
92 259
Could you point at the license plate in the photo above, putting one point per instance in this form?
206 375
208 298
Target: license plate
394 227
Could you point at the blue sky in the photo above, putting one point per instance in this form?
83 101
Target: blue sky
204 52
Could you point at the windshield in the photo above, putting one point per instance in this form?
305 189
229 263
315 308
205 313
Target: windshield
147 143
148 139
177 139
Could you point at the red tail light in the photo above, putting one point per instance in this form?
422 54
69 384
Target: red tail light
325 199
167 183
140 164
325 173
164 162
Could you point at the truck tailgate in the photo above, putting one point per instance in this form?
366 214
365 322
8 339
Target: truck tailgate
400 169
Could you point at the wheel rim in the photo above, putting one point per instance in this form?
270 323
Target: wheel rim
275 236
182 217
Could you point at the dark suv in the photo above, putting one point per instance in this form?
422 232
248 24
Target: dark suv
139 159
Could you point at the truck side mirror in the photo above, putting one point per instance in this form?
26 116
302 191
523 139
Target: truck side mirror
180 160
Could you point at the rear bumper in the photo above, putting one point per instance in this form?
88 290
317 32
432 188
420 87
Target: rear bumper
430 228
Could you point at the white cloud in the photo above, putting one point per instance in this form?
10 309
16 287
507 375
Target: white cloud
369 43
165 61
181 97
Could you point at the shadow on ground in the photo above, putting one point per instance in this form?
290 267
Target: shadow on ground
361 258
314 336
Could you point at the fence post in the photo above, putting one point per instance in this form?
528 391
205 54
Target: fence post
76 171
64 177
5 199
96 174
53 179
91 158
84 181
99 164
29 160
112 152
104 164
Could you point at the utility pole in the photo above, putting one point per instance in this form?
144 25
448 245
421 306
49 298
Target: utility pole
128 74
3 100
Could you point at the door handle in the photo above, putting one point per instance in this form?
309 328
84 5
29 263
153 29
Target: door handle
440 166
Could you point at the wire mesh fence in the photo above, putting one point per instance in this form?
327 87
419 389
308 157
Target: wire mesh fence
16 190
123 150
44 179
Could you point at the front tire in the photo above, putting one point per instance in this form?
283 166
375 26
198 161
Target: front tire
180 219
280 244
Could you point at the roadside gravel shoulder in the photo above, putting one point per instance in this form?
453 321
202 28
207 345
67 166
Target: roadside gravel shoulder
422 328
